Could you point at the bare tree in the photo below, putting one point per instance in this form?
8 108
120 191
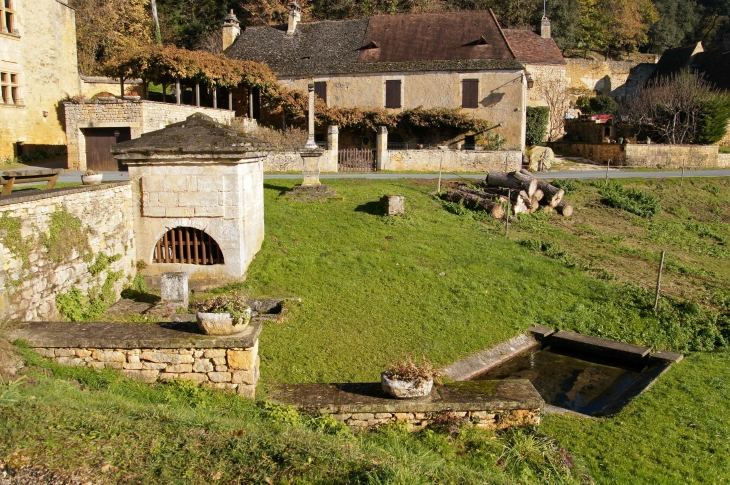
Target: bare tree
554 91
211 42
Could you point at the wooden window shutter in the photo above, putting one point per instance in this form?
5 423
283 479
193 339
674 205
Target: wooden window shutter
470 93
392 94
320 89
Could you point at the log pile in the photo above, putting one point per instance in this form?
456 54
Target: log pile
520 191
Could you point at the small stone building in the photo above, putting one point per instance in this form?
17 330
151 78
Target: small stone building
198 202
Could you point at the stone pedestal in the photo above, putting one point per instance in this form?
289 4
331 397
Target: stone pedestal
394 205
310 171
174 287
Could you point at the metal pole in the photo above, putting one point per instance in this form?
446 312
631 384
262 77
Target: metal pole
659 282
607 166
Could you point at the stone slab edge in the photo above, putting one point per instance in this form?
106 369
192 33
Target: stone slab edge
47 194
32 334
540 331
667 357
480 362
599 346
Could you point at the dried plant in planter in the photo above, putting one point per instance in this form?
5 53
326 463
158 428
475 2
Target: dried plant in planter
234 304
408 370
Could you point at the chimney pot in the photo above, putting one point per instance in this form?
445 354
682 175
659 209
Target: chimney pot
545 28
231 29
295 15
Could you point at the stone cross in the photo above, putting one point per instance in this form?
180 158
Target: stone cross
310 139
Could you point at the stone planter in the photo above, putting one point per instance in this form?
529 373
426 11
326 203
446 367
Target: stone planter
221 323
92 179
405 389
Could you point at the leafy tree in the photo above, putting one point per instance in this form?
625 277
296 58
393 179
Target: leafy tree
565 17
678 20
602 104
538 118
105 28
628 22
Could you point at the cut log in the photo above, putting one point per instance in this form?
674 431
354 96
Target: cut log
547 209
539 195
528 181
553 195
564 209
519 207
510 181
535 204
495 209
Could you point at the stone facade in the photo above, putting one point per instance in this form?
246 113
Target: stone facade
93 85
481 419
41 52
235 369
453 160
140 116
50 241
502 95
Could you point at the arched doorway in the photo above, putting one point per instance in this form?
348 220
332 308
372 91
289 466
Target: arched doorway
187 245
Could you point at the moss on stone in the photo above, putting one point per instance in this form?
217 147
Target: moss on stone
66 234
12 239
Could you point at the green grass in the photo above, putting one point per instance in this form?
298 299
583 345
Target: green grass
444 282
724 149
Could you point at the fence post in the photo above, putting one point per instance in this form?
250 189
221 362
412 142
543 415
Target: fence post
509 209
659 282
681 184
608 165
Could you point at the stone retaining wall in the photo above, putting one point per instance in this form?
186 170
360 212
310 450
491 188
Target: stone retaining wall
234 368
416 421
453 160
671 156
56 240
598 152
723 160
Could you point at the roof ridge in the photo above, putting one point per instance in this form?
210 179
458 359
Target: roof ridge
499 28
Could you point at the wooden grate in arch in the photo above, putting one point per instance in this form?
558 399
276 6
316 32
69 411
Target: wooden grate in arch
187 245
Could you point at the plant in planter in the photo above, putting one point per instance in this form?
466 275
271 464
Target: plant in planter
408 379
91 177
222 315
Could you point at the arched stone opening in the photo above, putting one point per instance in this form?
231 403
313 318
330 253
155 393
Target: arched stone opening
187 245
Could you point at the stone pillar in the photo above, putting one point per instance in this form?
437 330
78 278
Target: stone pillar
381 148
230 99
250 103
333 147
197 94
311 145
174 287
215 98
177 91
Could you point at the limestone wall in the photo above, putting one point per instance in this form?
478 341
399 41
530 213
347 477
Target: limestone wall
222 368
93 85
292 162
598 152
617 78
673 156
139 116
50 242
453 160
492 419
43 55
723 160
502 97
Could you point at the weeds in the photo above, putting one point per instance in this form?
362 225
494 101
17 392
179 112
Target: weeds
632 200
569 186
9 392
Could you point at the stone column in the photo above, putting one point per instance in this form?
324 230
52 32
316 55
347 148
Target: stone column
333 146
197 94
177 91
311 145
215 98
381 148
250 103
230 99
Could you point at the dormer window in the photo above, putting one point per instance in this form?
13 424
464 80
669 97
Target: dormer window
371 45
7 17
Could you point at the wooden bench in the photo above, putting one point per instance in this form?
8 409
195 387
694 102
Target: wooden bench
8 178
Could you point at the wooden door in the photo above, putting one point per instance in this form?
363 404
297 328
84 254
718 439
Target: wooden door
99 142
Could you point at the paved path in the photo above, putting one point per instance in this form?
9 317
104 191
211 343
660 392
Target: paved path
569 174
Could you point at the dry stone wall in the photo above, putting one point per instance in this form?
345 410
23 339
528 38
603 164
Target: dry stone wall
671 156
453 160
501 419
51 242
235 369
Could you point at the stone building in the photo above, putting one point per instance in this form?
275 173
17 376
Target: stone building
397 62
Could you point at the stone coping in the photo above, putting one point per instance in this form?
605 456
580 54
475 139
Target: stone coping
30 196
101 335
508 394
480 362
598 346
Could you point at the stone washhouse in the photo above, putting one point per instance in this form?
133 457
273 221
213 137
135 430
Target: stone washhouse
197 198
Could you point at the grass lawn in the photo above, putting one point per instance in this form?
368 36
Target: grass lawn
444 282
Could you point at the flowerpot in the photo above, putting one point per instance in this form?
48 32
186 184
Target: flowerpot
92 179
405 389
221 323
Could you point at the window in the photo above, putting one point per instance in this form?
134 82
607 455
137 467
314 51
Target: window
392 94
470 93
320 90
7 19
9 89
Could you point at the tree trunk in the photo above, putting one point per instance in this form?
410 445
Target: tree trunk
564 209
527 180
495 209
552 195
508 180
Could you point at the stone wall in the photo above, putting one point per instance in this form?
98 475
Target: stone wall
42 53
292 162
93 85
671 156
481 419
453 160
221 368
52 241
139 116
723 160
616 78
598 152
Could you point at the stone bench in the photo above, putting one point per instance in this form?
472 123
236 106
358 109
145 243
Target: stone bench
485 404
151 352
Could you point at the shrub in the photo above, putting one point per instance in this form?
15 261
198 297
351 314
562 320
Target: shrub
713 120
537 124
602 104
632 200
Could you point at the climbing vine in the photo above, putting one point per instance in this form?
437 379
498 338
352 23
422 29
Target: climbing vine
12 238
66 234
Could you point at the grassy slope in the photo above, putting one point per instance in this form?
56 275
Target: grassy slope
366 299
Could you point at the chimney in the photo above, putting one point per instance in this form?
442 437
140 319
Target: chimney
231 30
295 15
545 32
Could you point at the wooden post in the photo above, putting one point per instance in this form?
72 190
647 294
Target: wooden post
177 91
659 282
197 94
441 164
681 184
215 97
607 167
509 209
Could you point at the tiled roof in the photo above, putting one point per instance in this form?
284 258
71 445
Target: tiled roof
392 43
530 47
